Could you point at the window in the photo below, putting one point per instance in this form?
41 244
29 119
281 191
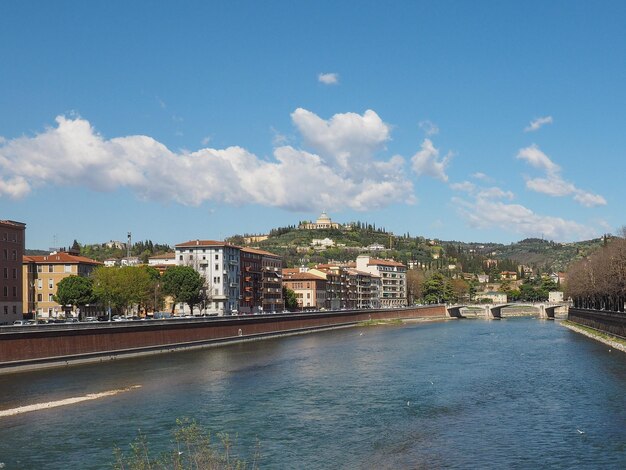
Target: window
39 268
6 291
6 254
6 310
180 257
68 268
50 283
217 257
190 257
39 297
217 267
14 291
50 299
6 273
14 273
39 284
14 254
50 268
14 310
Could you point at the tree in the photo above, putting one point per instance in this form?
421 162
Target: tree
184 284
75 291
437 289
414 284
291 301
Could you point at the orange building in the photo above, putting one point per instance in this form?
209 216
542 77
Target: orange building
41 275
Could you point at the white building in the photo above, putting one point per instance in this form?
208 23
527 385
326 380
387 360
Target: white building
166 259
219 264
323 242
392 288
130 261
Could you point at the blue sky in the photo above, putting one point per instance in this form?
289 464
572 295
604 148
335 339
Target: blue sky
473 121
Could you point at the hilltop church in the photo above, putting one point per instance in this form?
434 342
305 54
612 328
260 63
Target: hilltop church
322 222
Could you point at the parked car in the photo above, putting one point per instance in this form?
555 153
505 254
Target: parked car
71 320
20 323
90 319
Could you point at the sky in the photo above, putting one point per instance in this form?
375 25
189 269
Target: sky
472 121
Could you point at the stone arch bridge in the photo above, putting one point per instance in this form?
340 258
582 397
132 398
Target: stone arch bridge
545 310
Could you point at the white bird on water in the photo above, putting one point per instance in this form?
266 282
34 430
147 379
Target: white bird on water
580 432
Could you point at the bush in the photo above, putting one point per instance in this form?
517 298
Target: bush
192 449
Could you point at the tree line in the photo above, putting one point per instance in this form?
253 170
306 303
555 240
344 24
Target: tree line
599 281
133 288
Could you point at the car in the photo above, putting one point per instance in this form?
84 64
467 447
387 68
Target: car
90 319
117 318
20 323
71 320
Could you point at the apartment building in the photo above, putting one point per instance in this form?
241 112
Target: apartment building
310 288
41 276
219 263
12 239
392 287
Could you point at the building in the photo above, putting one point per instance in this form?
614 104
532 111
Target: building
360 288
323 243
130 261
483 278
272 288
41 276
162 262
392 276
310 289
12 240
322 223
219 263
491 296
508 276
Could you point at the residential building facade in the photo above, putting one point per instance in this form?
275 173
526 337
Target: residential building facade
310 289
392 274
219 263
41 276
12 240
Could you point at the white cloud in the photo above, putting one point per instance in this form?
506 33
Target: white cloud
345 141
553 183
73 154
535 157
428 127
427 162
465 186
278 139
481 177
328 78
489 212
537 123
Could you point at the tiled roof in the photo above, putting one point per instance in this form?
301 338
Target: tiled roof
301 277
60 258
164 256
259 252
383 262
202 243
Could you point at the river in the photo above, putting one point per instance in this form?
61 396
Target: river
515 393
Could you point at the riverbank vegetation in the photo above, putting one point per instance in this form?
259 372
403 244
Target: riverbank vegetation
599 281
191 449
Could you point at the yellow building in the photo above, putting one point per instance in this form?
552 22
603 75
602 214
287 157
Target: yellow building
42 274
323 222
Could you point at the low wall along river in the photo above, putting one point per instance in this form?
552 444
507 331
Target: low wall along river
56 344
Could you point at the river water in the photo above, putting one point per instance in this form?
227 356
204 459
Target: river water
515 393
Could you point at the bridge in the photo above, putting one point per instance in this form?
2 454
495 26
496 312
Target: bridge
546 310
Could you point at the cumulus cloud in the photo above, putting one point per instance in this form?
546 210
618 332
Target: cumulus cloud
73 153
328 78
553 183
488 210
465 186
427 162
537 123
428 127
345 141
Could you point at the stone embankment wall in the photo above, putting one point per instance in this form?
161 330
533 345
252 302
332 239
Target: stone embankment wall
37 346
609 322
